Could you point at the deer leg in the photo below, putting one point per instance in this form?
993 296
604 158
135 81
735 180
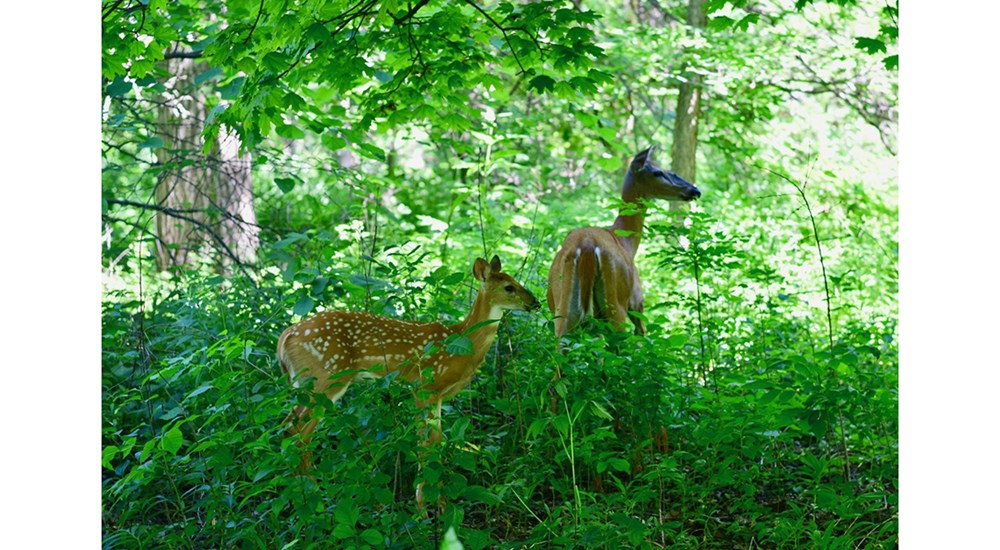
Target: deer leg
561 328
432 436
299 422
302 422
619 317
640 326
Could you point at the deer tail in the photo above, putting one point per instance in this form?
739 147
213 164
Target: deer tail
585 279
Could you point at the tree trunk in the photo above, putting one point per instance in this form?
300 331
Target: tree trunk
234 191
209 198
179 119
685 144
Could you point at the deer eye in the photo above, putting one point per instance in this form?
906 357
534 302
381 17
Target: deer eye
509 288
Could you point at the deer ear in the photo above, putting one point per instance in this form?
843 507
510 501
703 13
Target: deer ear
481 270
641 158
495 264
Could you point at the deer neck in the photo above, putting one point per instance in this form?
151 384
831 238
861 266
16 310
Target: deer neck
482 337
630 219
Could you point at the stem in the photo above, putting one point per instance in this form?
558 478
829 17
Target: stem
829 315
701 324
819 248
572 468
479 199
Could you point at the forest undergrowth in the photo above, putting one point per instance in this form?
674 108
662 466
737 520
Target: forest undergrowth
732 423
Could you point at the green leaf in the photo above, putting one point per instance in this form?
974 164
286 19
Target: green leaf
891 62
587 119
119 87
285 184
172 440
561 423
541 83
200 390
458 345
151 143
744 24
871 45
333 142
107 454
288 131
303 306
372 537
371 151
619 464
343 531
720 22
609 164
232 90
600 411
677 340
714 5
476 493
262 474
344 514
214 113
364 281
209 74
583 84
536 427
276 62
609 134
453 279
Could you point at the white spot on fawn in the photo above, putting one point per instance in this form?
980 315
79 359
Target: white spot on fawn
308 346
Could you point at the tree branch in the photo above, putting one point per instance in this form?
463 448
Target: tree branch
181 214
260 11
111 9
500 28
411 13
177 54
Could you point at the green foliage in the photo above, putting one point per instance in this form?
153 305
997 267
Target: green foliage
495 127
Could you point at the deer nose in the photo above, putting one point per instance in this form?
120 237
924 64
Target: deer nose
695 193
534 305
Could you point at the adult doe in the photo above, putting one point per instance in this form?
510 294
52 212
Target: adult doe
594 272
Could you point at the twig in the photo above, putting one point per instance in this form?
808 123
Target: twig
112 8
499 27
829 315
411 13
260 12
182 55
182 215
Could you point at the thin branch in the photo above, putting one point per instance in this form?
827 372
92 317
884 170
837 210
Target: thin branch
135 225
177 54
260 11
819 247
181 215
150 206
111 9
411 13
499 27
347 13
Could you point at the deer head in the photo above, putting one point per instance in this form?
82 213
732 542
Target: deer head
647 180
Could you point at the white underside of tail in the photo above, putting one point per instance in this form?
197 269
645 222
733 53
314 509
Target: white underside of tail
575 310
597 273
